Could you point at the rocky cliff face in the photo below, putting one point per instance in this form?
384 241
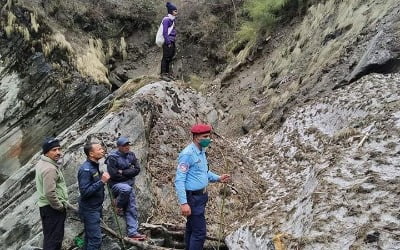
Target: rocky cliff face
40 96
332 172
307 126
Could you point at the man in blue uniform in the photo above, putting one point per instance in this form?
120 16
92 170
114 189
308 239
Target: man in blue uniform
91 187
123 166
192 177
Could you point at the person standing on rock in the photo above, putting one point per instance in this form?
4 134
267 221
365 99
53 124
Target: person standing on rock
91 187
53 196
191 180
169 34
123 166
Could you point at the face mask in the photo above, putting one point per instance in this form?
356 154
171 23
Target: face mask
205 142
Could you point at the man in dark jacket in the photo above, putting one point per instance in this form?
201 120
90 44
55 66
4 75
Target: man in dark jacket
123 166
91 186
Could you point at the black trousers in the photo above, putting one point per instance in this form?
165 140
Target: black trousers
168 55
53 227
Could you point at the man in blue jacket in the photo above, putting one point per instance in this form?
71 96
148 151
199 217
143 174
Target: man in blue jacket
123 166
91 187
192 177
169 33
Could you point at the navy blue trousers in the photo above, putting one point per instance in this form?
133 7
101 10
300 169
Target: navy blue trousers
91 219
196 231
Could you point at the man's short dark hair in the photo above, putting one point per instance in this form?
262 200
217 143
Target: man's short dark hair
87 148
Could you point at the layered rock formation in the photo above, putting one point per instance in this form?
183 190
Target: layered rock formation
308 125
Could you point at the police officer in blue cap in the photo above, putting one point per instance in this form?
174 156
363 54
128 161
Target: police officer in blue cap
123 166
192 177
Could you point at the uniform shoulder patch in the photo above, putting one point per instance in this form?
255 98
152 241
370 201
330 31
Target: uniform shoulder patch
183 167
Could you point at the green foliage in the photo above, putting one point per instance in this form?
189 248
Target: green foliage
79 241
260 17
263 12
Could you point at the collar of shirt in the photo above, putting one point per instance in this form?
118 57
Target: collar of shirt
49 160
95 164
196 149
122 153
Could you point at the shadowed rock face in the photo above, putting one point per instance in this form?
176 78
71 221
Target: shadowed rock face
36 103
40 96
382 53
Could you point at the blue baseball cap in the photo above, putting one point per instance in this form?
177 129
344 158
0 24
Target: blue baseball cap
122 141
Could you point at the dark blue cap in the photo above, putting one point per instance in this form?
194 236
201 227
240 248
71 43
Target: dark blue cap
122 141
50 143
170 7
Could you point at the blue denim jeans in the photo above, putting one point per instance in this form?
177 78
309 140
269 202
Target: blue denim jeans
127 201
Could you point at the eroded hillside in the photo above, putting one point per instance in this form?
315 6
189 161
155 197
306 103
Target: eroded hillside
307 119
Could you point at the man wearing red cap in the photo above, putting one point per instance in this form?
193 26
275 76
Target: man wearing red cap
192 177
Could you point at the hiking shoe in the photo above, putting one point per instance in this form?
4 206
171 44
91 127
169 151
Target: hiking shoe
139 237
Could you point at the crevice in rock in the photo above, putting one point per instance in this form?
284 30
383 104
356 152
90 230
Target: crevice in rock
390 66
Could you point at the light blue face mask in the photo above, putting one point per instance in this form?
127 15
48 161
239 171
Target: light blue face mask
205 142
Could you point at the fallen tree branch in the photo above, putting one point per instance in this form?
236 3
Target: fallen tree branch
139 244
178 232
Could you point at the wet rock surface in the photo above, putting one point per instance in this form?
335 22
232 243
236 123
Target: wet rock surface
332 172
39 104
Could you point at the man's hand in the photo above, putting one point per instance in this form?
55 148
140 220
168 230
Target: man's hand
225 178
71 207
185 209
105 177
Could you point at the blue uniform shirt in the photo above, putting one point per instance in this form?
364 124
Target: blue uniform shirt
90 185
192 172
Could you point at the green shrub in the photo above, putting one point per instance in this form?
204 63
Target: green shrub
260 17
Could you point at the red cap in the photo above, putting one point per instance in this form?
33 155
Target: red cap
201 128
